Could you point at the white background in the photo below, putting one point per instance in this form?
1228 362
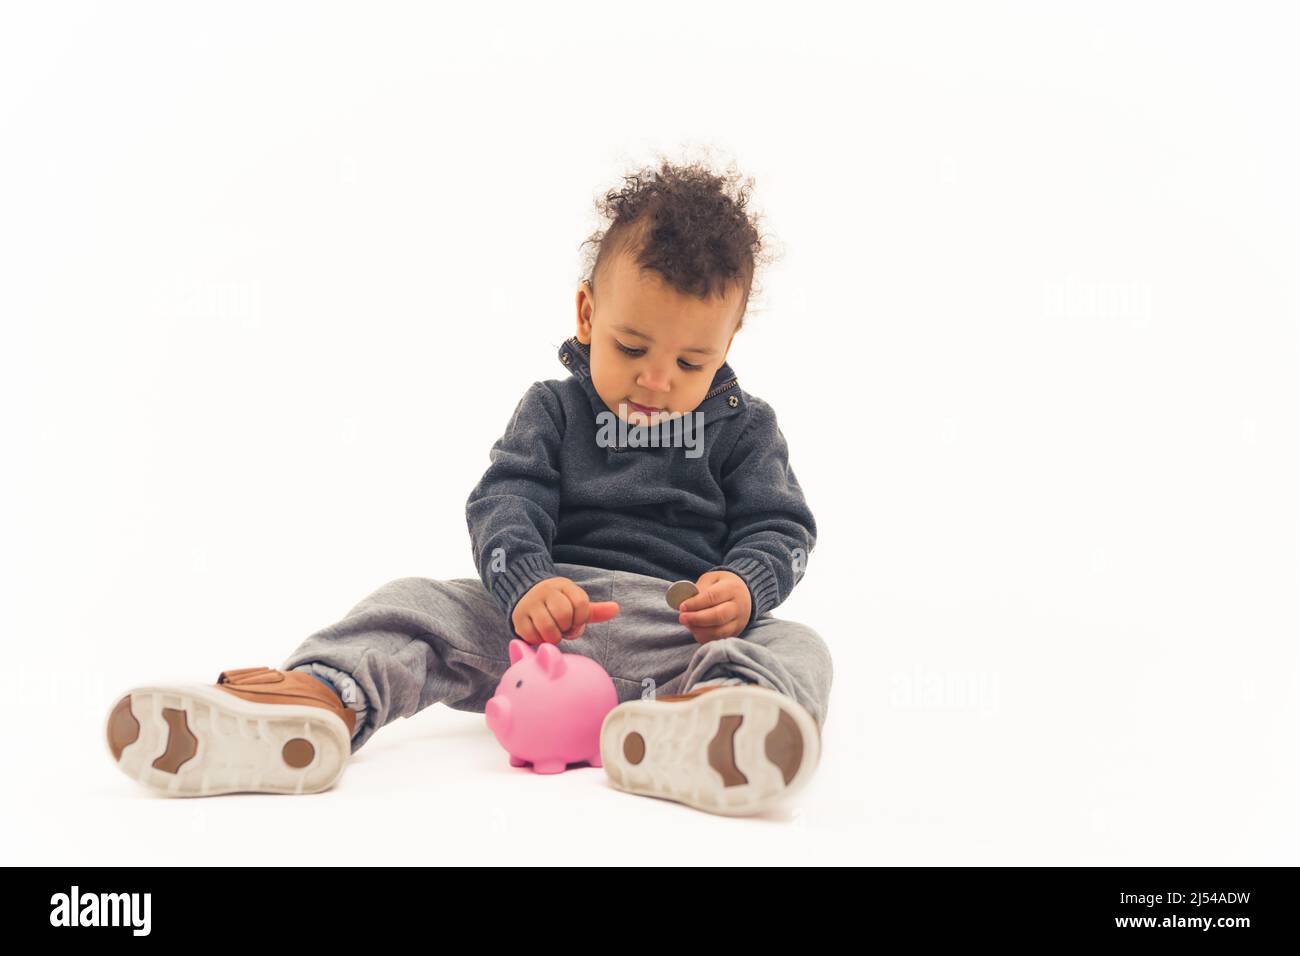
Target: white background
275 276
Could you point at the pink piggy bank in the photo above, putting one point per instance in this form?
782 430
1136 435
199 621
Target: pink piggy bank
549 706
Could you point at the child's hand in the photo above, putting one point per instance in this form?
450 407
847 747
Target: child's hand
721 609
558 608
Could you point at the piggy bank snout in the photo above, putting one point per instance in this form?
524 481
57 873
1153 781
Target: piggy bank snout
498 714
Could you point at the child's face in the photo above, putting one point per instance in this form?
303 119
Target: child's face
663 327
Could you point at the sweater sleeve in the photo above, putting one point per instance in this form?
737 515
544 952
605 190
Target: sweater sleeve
770 528
513 511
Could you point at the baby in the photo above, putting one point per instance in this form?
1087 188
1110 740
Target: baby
649 464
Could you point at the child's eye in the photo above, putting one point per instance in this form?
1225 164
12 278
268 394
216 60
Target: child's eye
686 365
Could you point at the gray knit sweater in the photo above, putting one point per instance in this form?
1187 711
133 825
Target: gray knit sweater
561 489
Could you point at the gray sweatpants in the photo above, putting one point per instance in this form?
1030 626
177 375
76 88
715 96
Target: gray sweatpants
419 641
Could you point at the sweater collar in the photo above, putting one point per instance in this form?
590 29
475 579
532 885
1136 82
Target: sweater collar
723 399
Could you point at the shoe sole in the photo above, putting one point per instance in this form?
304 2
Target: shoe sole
735 750
194 740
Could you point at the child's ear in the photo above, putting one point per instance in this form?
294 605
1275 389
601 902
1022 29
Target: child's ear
584 312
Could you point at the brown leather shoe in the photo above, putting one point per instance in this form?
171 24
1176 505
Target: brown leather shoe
733 749
256 729
268 686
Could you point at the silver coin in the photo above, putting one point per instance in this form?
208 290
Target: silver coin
680 591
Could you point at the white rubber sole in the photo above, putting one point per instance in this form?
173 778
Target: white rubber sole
735 750
195 740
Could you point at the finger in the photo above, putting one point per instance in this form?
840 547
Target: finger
707 597
546 627
715 616
580 603
560 608
602 611
704 635
527 632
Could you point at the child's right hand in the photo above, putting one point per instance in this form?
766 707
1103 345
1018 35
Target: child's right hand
556 609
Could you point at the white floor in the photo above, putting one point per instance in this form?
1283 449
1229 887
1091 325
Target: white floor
988 765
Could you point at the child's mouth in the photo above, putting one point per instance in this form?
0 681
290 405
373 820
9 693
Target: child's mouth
643 408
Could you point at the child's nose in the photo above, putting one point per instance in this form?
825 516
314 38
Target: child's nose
655 381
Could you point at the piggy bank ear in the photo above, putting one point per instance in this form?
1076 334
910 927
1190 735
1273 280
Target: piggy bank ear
551 659
517 649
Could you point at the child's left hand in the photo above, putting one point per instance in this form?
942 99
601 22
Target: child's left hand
721 609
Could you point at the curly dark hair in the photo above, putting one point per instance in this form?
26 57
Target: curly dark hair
686 223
